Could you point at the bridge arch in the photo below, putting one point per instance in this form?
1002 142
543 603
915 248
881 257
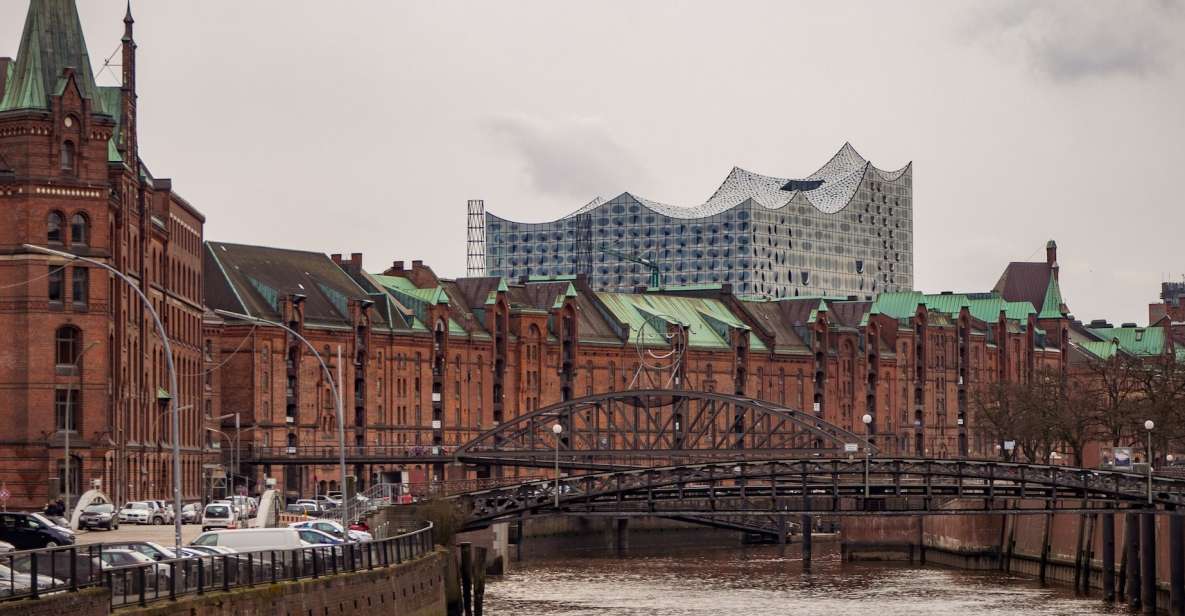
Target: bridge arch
899 486
657 427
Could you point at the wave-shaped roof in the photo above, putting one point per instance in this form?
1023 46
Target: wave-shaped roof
829 189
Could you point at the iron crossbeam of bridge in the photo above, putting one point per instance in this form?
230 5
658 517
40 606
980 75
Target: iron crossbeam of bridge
657 427
895 486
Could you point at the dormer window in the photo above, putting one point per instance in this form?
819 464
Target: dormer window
68 156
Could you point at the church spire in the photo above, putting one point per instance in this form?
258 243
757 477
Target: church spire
51 42
127 23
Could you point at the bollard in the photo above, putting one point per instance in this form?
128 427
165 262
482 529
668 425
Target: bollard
1109 557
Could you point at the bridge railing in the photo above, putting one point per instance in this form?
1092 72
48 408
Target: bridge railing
141 584
32 573
330 452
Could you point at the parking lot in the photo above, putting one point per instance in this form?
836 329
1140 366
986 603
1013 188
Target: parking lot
132 532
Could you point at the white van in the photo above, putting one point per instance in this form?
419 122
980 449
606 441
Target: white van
252 539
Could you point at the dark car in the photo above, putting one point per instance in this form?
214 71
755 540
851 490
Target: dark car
99 516
27 531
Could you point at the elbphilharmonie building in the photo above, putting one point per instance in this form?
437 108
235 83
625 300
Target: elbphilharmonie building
846 229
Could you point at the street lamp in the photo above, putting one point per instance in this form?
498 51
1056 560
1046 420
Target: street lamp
867 450
173 390
557 430
1148 425
66 427
341 423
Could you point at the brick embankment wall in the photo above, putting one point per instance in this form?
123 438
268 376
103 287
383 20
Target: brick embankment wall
412 589
89 602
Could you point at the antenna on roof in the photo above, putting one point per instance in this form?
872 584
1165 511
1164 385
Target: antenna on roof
475 262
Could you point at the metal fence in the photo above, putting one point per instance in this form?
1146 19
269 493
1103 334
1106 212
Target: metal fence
39 572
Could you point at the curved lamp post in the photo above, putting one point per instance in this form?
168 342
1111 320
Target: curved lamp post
557 430
1148 425
341 424
173 390
867 450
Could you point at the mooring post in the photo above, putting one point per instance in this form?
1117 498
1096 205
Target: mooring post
1078 553
1088 556
1176 564
621 535
1148 560
1109 557
467 576
807 527
1131 533
1044 562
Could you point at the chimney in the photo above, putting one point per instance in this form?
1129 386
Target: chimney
356 261
417 264
337 259
397 267
4 64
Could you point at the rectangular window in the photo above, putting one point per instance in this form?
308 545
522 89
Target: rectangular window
56 283
60 407
80 277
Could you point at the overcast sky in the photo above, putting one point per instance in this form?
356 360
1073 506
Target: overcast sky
364 126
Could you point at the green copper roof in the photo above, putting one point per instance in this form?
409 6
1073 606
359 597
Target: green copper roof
1135 340
985 307
52 41
708 320
1051 306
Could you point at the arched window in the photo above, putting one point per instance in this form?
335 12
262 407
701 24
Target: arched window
80 231
54 224
68 345
68 156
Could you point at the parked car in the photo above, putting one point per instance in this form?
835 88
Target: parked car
122 557
143 512
99 516
315 537
27 531
311 506
333 528
165 508
191 513
14 582
300 508
212 550
152 550
249 539
154 578
218 515
6 547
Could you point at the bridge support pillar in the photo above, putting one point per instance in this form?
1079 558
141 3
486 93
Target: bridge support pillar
1177 563
1131 540
782 530
621 535
1148 560
1109 557
807 528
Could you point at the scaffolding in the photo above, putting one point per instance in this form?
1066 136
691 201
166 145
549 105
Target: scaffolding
475 261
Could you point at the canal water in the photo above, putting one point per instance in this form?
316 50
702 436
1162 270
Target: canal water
764 580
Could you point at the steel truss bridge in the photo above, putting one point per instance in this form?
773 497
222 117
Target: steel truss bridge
646 428
758 493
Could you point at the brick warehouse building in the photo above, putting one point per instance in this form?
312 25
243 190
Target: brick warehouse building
71 177
430 362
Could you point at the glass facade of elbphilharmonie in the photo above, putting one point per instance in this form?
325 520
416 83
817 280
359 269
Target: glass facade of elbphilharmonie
846 229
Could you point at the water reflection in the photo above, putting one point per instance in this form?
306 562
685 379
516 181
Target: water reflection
761 581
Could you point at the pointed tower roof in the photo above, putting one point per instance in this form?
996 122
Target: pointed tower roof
1052 305
52 41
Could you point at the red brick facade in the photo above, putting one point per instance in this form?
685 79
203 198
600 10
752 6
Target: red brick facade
71 178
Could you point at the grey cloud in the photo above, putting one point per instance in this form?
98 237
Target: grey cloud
1071 40
577 157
